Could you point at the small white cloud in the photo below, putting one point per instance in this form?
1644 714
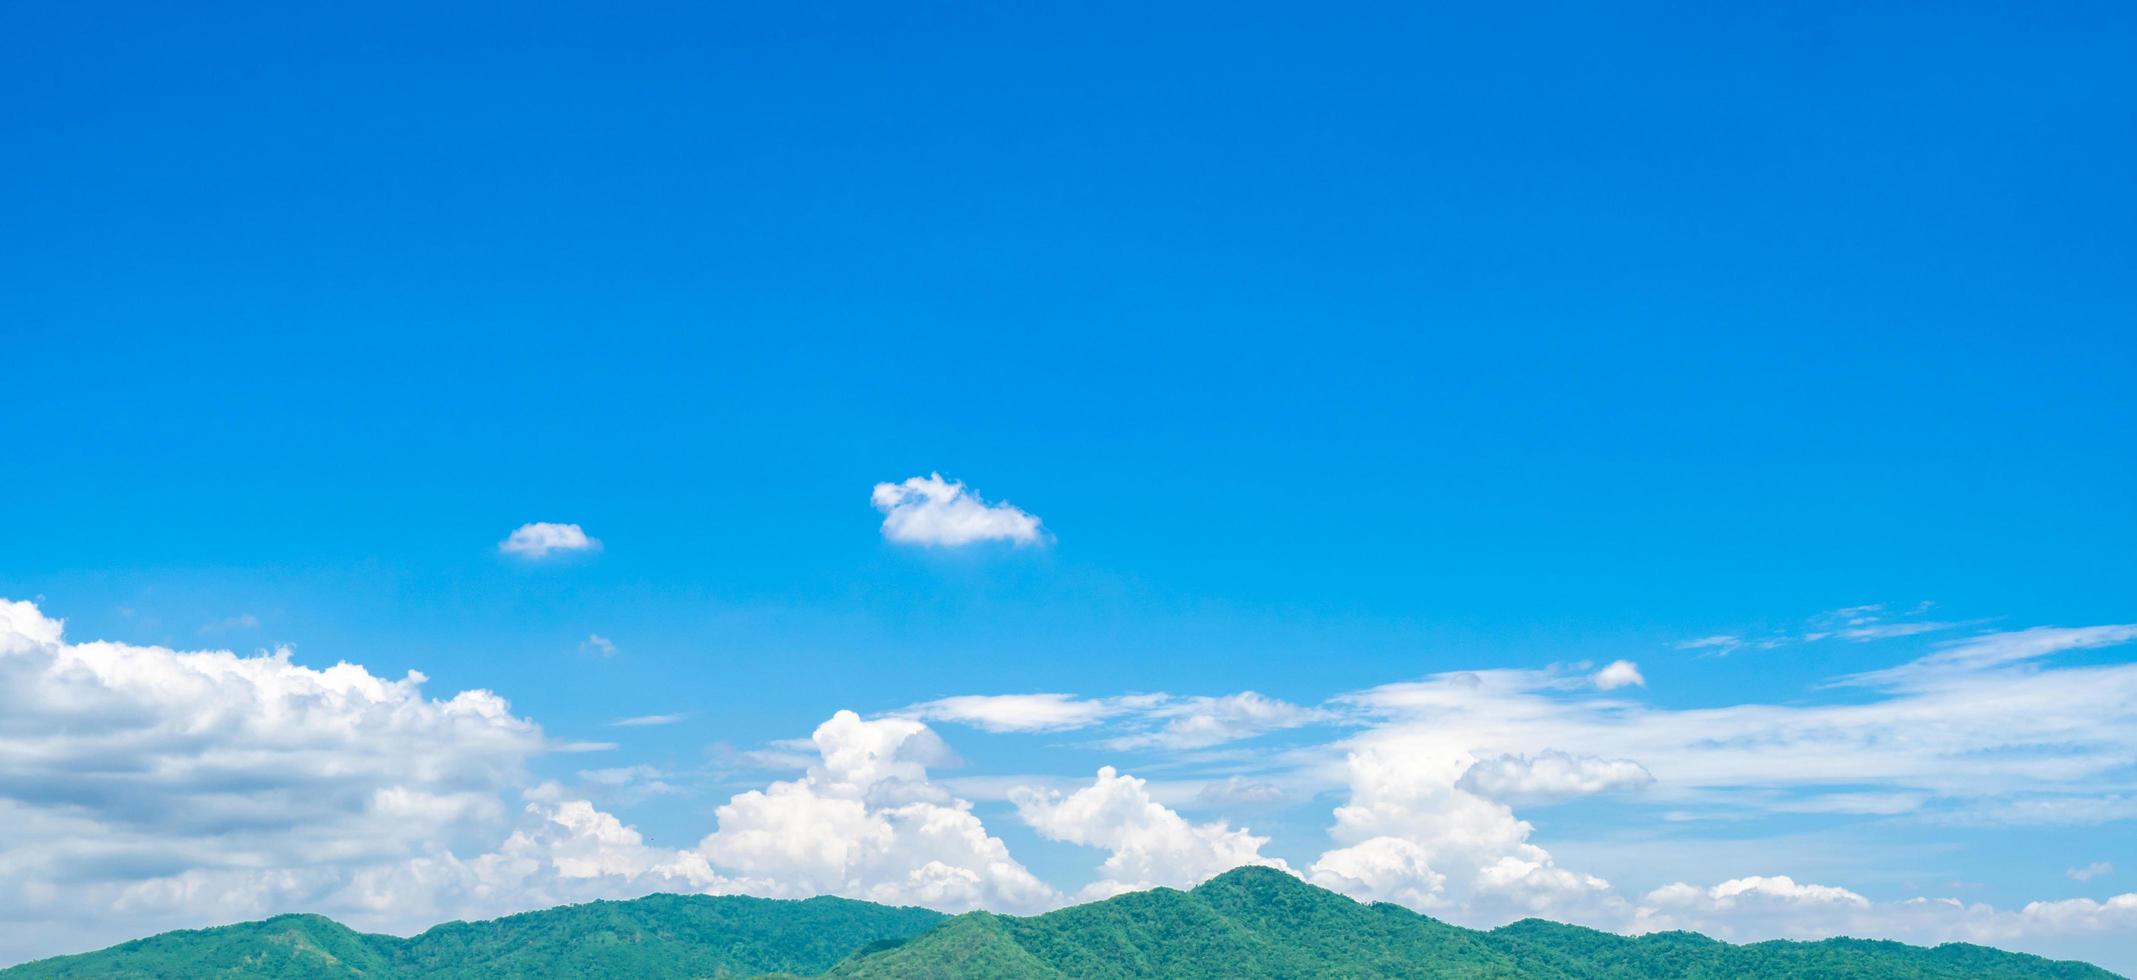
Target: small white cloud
2091 871
1619 674
542 539
598 645
933 511
646 721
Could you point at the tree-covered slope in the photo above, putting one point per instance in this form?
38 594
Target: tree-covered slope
295 946
1250 922
1256 922
660 936
1573 951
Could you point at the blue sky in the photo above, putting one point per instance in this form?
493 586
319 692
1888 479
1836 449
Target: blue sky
1330 351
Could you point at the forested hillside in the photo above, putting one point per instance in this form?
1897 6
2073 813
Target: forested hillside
1250 922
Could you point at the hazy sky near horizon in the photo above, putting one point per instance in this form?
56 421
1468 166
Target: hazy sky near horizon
1656 465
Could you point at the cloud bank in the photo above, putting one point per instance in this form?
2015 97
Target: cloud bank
146 788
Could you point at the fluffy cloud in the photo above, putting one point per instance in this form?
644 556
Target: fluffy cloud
929 510
1753 907
561 851
129 773
1777 907
146 788
1411 834
1620 673
236 750
542 539
865 823
1152 845
1551 775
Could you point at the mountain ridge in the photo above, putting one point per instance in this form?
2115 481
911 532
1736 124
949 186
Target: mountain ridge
1246 922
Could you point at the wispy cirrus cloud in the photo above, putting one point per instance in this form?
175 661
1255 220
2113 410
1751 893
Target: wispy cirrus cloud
1162 721
1854 624
1965 658
1719 643
647 721
2089 872
1200 722
1029 712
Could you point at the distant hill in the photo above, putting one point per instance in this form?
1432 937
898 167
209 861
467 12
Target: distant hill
1250 922
655 936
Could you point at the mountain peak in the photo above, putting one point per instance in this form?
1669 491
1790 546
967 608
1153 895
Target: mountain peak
1259 876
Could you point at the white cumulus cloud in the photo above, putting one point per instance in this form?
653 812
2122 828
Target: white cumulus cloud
1411 834
129 772
542 539
1151 844
1620 673
864 822
929 510
1778 907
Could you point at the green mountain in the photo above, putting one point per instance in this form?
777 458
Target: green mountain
1250 922
655 936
